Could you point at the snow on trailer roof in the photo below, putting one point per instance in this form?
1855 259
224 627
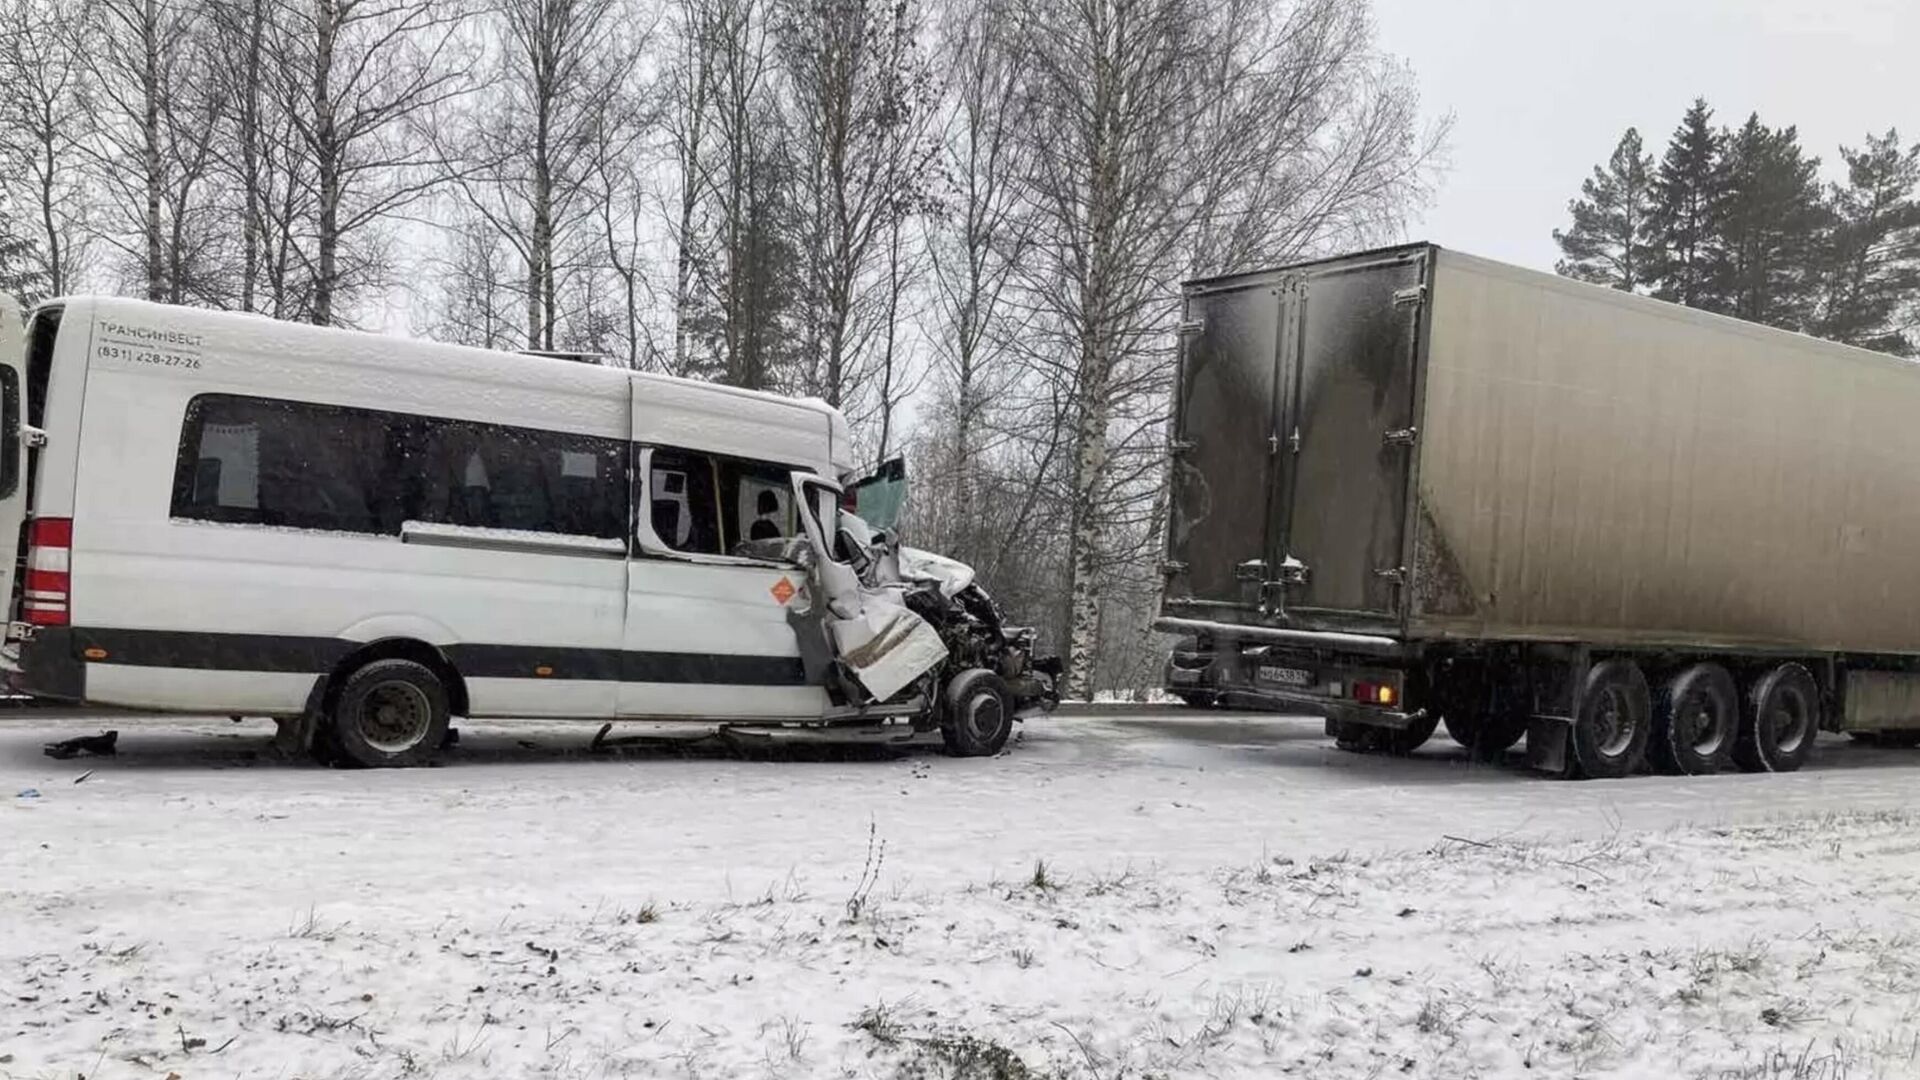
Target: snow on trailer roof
684 412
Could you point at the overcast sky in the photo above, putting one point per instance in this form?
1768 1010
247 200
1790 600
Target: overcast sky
1542 89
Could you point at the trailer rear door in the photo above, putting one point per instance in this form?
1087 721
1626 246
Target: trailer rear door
1343 488
1224 447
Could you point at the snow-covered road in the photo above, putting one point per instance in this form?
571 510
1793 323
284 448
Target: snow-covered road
530 909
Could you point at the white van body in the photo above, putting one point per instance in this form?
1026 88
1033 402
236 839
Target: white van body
497 513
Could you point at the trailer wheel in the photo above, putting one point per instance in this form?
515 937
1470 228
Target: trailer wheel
1780 722
1609 737
1198 699
1696 722
978 716
390 714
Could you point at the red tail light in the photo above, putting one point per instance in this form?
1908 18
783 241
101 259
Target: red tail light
1375 693
47 596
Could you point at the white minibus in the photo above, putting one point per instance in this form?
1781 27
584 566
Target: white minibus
365 536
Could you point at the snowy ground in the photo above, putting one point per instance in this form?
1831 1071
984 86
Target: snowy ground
1156 895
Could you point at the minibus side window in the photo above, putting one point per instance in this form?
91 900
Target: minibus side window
500 477
681 502
257 461
704 504
756 501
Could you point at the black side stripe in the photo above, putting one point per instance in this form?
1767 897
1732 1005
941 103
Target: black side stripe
279 653
210 652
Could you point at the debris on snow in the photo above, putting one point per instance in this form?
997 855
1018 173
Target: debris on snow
101 745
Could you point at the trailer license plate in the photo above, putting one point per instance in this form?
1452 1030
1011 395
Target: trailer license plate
1286 676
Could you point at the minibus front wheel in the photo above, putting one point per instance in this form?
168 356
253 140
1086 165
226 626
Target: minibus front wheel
390 714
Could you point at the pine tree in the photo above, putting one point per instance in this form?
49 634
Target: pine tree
1611 239
1686 193
22 271
1873 259
1771 221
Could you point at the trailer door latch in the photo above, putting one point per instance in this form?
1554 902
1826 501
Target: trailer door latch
1401 436
1251 570
1395 574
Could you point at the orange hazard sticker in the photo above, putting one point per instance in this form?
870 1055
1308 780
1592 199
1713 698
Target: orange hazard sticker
783 590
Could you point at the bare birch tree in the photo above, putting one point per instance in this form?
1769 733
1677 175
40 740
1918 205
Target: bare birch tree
356 78
44 124
1148 124
860 95
976 241
533 136
147 62
748 290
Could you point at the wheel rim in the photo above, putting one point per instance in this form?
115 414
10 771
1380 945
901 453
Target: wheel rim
395 716
1790 719
1700 726
984 715
1613 722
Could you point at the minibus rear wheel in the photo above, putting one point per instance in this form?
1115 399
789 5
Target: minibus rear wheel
390 714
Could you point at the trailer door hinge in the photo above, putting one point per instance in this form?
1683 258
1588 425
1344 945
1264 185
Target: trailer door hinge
1401 436
1172 568
1193 326
1293 572
1181 446
1412 294
1251 570
1395 574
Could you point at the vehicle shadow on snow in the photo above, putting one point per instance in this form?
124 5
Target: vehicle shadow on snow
1296 741
189 744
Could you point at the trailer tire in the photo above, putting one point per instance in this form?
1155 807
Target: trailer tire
390 714
1198 699
1610 729
978 716
1695 722
1780 721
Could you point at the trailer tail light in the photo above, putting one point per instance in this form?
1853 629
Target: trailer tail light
1375 693
47 598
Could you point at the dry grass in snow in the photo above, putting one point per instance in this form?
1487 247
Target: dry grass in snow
1775 952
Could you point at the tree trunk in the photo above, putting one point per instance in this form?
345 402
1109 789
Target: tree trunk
540 248
250 226
56 270
1088 540
887 354
150 137
326 160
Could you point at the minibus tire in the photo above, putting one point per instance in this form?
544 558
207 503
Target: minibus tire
391 714
978 716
